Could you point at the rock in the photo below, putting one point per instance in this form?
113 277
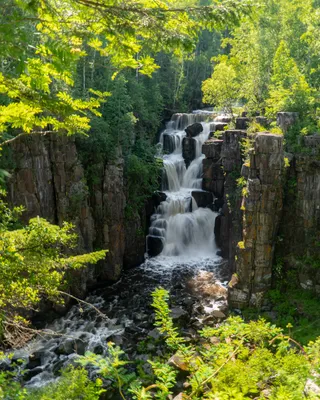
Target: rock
242 123
178 313
218 314
234 281
154 245
194 130
218 203
31 373
178 362
311 388
213 177
286 119
168 143
245 171
180 396
204 284
313 143
34 360
155 334
188 150
202 198
262 213
212 149
217 229
220 126
263 121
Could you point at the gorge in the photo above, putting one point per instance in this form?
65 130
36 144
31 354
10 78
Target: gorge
200 209
159 200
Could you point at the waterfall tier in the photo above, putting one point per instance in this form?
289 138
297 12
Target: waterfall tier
179 227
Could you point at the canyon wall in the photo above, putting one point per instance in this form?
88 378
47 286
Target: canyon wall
269 214
47 178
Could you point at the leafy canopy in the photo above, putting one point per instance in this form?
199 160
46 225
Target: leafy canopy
42 42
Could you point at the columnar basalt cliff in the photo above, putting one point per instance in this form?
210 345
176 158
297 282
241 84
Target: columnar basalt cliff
276 212
262 206
221 168
47 178
299 245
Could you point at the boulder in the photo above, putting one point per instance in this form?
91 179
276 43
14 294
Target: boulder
202 198
154 245
188 150
194 130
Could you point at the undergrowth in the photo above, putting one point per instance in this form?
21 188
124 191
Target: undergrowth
232 361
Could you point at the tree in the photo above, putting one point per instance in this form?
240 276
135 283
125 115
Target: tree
42 42
289 90
33 262
222 89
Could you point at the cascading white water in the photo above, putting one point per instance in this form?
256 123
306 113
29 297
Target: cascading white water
187 234
184 229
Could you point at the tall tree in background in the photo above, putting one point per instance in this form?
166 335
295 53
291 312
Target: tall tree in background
43 40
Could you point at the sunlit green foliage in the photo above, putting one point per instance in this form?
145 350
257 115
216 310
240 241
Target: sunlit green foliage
222 89
274 54
235 360
43 41
32 265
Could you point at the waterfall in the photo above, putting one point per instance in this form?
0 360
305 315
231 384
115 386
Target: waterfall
185 232
184 228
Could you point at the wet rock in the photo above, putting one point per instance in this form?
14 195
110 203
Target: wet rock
168 143
204 284
31 373
58 366
34 360
194 130
154 245
242 123
218 204
98 349
220 126
116 339
217 229
213 177
188 150
202 198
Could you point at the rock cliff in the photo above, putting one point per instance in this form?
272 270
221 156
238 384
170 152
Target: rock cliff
47 178
275 214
